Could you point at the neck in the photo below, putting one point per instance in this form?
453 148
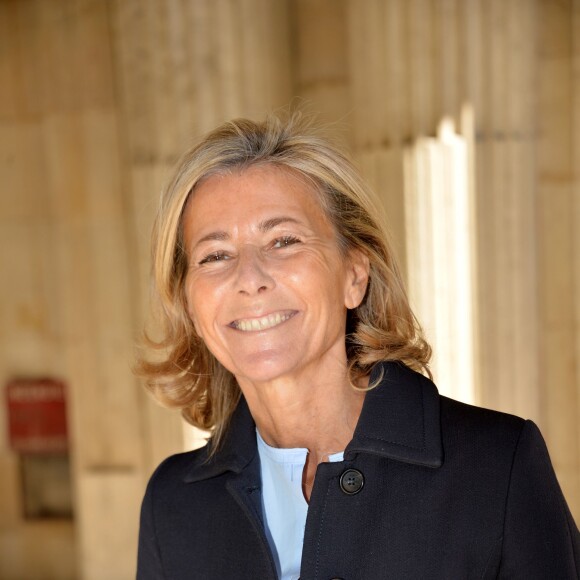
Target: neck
318 412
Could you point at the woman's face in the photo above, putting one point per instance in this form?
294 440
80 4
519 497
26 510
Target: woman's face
267 286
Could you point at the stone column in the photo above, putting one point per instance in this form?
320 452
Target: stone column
182 68
101 98
415 64
500 81
558 202
574 485
439 210
75 279
31 311
320 62
92 264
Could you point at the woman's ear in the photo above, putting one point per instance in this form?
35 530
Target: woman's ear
358 268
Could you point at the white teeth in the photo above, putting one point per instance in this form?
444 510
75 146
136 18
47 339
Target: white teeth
261 323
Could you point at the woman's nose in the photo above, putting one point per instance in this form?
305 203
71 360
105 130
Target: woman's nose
253 276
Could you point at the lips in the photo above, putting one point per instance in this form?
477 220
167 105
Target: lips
263 322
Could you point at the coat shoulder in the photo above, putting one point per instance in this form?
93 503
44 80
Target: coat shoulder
479 435
479 418
176 468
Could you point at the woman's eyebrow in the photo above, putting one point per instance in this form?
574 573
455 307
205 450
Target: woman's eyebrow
263 226
271 223
212 236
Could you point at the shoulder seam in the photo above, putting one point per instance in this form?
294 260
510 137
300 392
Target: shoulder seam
507 495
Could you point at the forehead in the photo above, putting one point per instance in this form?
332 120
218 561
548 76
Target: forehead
261 190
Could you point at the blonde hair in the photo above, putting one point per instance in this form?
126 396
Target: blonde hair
382 328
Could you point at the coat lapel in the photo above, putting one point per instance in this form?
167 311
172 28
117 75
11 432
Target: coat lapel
237 451
246 489
400 418
238 458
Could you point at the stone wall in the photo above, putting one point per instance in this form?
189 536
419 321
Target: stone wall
99 98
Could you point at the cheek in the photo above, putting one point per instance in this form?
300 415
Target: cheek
203 306
323 286
194 310
193 318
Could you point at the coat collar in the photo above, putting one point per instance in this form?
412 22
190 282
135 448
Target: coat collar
237 451
400 420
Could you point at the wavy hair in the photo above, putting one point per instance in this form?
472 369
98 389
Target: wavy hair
184 374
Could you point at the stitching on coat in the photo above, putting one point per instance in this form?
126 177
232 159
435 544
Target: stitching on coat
154 485
507 495
320 528
491 554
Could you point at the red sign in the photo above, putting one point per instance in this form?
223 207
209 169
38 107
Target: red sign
37 416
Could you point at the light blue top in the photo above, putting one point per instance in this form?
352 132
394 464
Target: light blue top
284 505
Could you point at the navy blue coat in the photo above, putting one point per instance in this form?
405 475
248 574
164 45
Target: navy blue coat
450 491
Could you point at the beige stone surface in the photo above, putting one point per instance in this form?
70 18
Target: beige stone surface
320 62
109 544
67 311
383 169
574 483
38 550
557 183
30 330
440 255
413 64
99 99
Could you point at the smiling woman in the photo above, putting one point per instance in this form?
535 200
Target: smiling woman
269 294
287 332
291 160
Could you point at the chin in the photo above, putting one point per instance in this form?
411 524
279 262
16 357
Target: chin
264 366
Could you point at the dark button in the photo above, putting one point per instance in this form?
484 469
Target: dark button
351 481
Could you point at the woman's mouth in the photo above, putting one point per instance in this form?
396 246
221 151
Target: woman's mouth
262 323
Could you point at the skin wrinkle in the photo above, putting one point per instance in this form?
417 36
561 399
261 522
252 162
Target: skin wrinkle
263 227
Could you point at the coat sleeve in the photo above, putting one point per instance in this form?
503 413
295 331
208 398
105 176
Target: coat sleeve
148 557
541 540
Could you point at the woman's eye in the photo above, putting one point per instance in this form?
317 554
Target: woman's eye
285 241
214 257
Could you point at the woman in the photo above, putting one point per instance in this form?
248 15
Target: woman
287 332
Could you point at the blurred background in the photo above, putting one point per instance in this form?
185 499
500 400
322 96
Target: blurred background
463 114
